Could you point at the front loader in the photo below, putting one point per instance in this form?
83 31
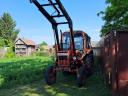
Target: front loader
73 48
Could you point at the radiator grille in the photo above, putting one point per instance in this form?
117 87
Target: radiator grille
62 57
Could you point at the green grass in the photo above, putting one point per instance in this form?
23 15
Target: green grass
29 72
65 86
17 71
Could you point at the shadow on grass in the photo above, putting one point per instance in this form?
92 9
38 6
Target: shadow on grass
65 86
93 87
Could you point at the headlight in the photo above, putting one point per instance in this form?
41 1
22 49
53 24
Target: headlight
74 58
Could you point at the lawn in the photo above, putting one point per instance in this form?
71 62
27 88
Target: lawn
65 85
24 70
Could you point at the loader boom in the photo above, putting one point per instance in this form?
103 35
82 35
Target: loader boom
61 12
73 51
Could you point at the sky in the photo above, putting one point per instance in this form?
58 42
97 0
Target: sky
33 25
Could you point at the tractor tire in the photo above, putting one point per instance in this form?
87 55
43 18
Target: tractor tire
81 76
50 75
108 80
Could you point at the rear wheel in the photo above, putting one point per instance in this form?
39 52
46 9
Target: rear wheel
81 76
50 75
108 80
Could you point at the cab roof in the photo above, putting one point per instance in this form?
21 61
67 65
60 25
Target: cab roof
77 32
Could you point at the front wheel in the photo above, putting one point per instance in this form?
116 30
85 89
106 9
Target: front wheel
50 75
81 76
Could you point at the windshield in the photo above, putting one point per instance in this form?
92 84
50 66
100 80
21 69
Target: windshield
78 39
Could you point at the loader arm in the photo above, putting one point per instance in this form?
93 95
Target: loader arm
60 12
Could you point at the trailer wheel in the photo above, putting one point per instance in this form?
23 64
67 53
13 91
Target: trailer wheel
50 75
81 76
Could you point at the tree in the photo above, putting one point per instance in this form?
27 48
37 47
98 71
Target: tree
115 15
8 32
43 44
2 43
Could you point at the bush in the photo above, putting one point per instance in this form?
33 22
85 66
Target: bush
10 53
2 43
41 53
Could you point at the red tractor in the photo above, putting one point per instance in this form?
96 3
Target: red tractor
73 48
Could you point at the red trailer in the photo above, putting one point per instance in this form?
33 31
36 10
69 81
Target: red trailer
115 61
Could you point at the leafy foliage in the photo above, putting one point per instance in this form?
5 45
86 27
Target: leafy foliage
10 53
43 44
8 33
2 43
115 15
41 53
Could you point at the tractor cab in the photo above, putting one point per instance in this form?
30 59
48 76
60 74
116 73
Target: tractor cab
80 39
65 56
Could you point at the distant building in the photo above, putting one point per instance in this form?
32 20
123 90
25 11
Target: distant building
24 46
96 48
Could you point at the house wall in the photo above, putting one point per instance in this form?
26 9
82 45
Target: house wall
20 49
23 49
30 50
